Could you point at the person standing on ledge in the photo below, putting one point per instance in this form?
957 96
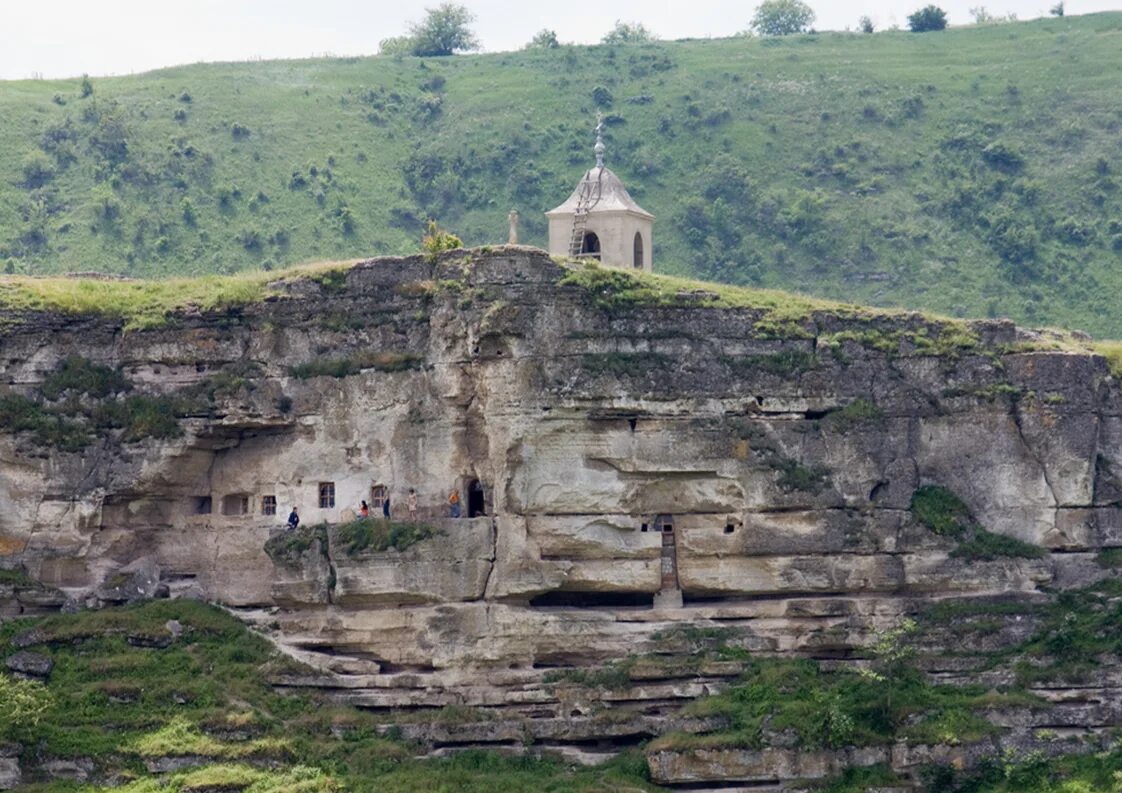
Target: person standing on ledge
411 504
454 503
364 510
386 506
293 520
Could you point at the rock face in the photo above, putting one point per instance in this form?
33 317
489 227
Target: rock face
30 664
735 466
10 773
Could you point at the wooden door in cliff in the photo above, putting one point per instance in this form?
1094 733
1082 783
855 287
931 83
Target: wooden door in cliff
664 524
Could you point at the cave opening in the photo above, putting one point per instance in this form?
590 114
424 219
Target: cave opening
591 600
477 499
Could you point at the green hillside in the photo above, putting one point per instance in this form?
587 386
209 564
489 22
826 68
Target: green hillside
974 171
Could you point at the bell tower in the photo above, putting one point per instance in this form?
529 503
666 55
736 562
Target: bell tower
601 221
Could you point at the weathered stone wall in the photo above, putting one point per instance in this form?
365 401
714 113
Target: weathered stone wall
584 422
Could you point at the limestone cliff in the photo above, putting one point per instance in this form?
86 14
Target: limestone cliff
633 462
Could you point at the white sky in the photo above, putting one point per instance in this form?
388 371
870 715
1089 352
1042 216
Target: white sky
62 38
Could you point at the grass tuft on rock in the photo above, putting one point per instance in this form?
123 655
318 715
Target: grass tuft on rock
625 364
941 511
353 364
288 546
857 413
180 738
945 514
782 363
794 476
986 546
373 535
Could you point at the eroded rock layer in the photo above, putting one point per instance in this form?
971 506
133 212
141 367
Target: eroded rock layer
632 467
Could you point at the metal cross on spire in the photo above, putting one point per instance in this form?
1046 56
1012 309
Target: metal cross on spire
599 147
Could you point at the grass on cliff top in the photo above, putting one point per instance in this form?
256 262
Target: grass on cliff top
781 314
614 288
150 303
1112 351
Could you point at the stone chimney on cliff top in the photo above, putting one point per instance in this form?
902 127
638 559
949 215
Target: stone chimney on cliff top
601 221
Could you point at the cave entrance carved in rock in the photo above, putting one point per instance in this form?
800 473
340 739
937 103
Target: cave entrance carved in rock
670 593
477 501
664 525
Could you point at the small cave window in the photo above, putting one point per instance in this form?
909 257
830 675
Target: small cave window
644 527
730 528
235 504
590 247
632 422
202 505
664 524
268 505
638 250
326 495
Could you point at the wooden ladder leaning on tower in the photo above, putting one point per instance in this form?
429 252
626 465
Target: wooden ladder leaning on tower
588 198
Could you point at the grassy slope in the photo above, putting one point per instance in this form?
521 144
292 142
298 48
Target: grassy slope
856 164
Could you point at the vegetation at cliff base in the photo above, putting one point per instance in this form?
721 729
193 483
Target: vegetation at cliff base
970 171
184 681
181 681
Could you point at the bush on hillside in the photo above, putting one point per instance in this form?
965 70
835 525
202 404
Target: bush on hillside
1012 239
927 18
396 46
1004 156
444 31
37 170
782 17
628 33
544 39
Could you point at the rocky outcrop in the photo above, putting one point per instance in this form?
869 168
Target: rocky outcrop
611 447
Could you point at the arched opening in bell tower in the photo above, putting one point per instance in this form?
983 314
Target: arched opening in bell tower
591 245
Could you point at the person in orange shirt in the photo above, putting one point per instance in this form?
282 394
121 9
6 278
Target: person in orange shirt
454 503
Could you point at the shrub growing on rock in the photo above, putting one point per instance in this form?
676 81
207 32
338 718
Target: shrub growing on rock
22 704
